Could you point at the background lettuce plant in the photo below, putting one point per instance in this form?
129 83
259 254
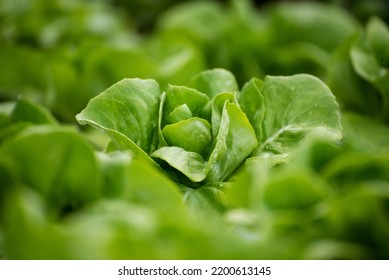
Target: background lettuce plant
363 61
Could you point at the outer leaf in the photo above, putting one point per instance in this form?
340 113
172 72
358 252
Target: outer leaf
352 167
215 81
351 90
26 110
316 151
234 142
370 58
245 189
361 215
321 24
122 142
365 134
293 106
150 187
293 189
207 202
377 33
114 229
133 180
114 169
190 164
129 107
365 62
23 113
28 233
177 60
193 135
58 163
197 20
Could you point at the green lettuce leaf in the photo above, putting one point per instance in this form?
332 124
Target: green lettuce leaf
293 189
123 179
217 109
129 107
182 100
293 106
28 233
370 59
190 164
61 154
207 203
250 99
321 24
215 81
26 110
23 113
193 135
365 134
234 142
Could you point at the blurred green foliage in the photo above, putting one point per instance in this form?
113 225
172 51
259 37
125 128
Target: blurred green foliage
68 193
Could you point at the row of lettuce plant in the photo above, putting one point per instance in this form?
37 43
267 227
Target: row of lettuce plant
63 53
264 171
169 165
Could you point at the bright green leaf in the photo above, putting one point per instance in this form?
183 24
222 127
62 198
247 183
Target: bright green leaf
234 142
217 109
129 107
190 164
193 135
250 99
293 106
215 81
177 96
180 113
